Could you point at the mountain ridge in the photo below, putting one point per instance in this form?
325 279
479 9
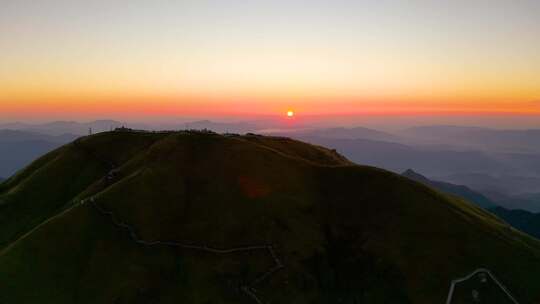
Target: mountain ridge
342 231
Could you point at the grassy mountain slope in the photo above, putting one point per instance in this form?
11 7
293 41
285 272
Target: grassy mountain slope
343 233
54 181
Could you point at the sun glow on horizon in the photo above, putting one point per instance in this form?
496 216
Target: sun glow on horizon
233 58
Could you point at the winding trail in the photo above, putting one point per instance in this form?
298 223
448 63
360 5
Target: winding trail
478 271
248 289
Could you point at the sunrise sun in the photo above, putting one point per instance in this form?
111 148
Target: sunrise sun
290 113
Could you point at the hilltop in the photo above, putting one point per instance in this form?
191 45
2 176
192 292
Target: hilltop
197 217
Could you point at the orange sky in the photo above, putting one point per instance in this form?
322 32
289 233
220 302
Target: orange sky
82 59
165 106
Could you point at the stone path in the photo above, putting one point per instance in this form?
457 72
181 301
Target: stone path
479 271
248 289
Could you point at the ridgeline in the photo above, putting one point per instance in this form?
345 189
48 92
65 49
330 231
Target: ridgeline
198 217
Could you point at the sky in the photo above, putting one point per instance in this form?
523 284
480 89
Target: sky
89 59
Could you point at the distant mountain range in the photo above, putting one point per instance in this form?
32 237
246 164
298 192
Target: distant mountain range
526 221
399 157
527 201
14 136
457 190
19 148
345 133
527 141
506 184
64 127
84 128
221 127
493 140
510 174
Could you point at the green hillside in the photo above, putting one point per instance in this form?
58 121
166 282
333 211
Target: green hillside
194 217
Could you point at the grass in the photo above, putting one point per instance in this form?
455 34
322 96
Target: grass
346 233
55 180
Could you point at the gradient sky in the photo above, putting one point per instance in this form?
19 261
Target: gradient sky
91 58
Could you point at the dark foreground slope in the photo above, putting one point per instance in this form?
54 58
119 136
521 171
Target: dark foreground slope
202 218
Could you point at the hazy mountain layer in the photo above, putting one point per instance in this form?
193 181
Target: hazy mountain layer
457 190
399 157
18 148
525 221
479 138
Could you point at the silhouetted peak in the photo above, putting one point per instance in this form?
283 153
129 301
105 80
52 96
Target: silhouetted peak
410 173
